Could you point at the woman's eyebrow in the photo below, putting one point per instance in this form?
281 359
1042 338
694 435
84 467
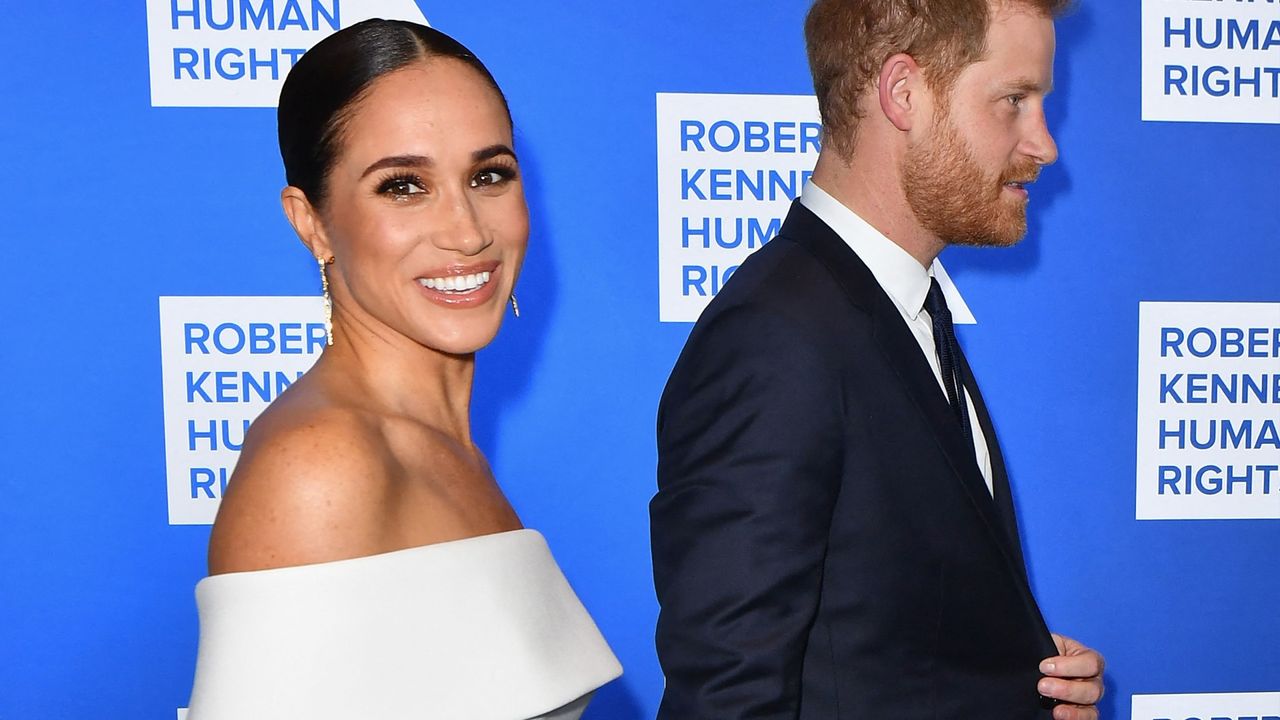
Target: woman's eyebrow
493 151
406 161
399 161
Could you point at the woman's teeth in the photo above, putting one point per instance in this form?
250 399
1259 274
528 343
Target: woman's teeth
455 283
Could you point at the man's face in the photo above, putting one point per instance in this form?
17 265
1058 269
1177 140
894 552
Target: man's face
966 181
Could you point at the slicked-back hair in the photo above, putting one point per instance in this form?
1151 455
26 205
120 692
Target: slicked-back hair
328 81
849 40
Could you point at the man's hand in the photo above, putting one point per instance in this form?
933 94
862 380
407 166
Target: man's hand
1073 677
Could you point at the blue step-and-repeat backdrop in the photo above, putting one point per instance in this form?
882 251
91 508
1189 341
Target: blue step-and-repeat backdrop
154 299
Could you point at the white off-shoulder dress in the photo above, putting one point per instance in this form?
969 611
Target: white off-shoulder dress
485 628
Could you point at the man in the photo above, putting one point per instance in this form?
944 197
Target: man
833 534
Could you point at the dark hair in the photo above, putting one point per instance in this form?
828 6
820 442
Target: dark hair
332 76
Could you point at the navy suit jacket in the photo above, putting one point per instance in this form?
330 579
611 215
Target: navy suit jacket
824 544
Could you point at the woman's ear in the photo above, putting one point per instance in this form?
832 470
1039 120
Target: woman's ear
305 219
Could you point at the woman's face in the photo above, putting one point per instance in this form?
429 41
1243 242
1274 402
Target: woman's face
425 212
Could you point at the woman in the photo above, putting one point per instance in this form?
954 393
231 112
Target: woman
364 563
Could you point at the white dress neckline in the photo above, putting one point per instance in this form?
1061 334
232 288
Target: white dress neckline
483 628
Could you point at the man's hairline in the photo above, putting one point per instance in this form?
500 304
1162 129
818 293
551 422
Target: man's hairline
1016 7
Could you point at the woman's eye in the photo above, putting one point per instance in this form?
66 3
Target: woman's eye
487 178
401 187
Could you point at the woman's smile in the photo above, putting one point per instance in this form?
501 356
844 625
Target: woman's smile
461 286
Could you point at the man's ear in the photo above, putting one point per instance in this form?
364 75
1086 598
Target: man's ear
900 87
305 219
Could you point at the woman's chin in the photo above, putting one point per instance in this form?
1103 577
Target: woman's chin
465 343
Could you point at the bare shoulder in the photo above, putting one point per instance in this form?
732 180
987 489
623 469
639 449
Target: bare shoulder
310 486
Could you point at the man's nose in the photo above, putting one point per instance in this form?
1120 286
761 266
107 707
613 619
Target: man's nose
1039 143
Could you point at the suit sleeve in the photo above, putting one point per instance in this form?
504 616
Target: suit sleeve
750 443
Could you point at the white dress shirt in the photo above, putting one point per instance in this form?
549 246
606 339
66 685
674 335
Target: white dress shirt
906 282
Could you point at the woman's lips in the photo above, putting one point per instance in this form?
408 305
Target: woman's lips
458 283
460 286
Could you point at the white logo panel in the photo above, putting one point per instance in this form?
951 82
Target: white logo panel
728 168
236 53
1208 706
1211 61
1208 411
223 360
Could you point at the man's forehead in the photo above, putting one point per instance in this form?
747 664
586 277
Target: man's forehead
1019 50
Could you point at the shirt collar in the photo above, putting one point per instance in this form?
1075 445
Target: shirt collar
901 275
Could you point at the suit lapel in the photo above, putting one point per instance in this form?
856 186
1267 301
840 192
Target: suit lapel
903 353
1000 489
1004 503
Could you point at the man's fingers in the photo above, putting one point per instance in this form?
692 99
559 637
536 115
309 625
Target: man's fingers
1076 692
1074 712
1087 664
1074 677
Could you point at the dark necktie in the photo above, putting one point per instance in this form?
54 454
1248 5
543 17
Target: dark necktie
944 339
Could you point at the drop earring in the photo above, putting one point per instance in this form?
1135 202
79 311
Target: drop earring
328 302
515 306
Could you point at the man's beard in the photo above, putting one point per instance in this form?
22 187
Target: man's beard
955 200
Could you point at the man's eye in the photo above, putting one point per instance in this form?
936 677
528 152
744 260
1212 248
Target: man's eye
1016 100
